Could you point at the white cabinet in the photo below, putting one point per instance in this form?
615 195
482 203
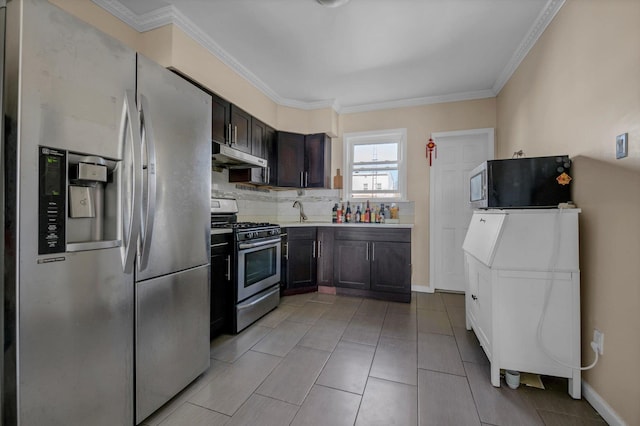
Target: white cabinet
512 259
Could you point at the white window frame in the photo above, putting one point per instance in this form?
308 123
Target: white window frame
398 136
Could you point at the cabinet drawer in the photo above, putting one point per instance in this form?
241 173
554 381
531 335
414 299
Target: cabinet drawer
302 233
377 234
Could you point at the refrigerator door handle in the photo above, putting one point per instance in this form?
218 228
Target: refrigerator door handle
149 210
130 126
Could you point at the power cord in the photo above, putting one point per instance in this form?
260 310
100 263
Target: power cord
553 263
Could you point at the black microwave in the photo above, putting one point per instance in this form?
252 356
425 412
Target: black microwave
539 182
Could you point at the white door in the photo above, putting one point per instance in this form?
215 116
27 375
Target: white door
450 213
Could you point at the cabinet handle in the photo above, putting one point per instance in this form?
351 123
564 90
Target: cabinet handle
228 267
235 134
286 251
229 140
319 249
474 297
482 220
373 252
367 253
301 180
314 249
268 178
306 179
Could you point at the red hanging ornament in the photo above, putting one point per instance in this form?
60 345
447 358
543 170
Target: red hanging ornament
432 149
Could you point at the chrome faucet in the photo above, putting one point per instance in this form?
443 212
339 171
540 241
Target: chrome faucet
298 204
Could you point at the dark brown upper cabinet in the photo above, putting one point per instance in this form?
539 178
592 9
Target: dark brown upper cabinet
230 125
240 129
317 148
304 160
220 120
290 159
262 143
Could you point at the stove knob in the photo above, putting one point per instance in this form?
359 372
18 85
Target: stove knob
250 235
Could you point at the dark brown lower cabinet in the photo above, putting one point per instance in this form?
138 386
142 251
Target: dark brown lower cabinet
373 263
299 266
221 285
391 267
352 266
325 255
369 262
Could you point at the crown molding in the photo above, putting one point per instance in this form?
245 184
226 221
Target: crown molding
170 15
120 11
427 100
541 23
293 103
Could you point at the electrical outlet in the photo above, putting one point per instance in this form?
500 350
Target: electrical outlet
622 145
598 339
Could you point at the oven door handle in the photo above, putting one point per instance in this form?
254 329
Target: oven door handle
243 246
258 300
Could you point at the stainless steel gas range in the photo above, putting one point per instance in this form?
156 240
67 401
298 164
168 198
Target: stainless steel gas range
253 265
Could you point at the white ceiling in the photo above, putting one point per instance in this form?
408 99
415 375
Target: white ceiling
368 54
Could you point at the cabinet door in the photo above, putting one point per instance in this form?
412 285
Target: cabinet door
325 256
220 119
241 129
221 296
391 267
317 161
290 154
284 259
270 176
258 138
301 265
351 264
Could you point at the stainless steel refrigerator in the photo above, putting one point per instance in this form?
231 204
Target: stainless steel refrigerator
106 166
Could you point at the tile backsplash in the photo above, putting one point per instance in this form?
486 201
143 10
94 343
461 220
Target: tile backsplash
258 204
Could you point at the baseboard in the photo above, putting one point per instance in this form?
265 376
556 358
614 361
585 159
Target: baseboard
601 406
324 289
421 288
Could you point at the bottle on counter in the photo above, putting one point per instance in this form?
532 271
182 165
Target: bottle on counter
394 211
358 216
347 214
334 213
381 217
367 214
339 215
376 215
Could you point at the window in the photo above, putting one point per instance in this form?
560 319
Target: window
376 165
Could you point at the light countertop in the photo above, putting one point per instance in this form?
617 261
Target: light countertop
347 225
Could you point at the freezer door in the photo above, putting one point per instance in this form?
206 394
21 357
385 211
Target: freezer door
76 353
172 336
176 123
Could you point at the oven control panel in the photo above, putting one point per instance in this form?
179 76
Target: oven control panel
255 234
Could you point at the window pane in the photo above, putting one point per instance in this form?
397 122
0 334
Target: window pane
375 152
382 180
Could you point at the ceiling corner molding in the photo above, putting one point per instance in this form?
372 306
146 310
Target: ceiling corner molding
413 102
293 103
120 11
544 19
171 15
157 18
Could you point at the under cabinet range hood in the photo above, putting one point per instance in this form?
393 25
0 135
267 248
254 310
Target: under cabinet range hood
232 158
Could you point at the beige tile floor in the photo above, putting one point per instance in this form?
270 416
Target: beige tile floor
331 360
